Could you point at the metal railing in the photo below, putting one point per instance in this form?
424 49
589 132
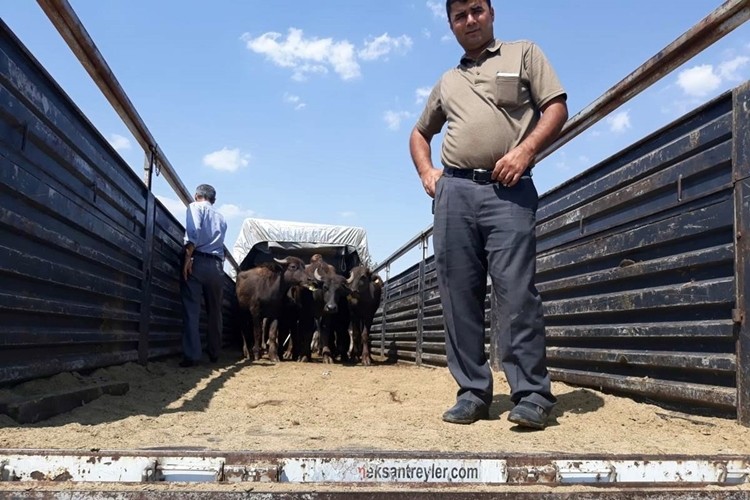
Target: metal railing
64 18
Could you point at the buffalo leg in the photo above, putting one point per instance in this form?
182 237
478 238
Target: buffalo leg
258 335
246 325
273 341
326 341
354 340
365 342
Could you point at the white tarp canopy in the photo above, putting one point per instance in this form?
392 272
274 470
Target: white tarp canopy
277 236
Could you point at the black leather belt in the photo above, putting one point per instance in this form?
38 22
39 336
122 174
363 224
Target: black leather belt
209 255
478 175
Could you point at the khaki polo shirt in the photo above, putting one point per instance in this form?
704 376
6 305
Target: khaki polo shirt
491 104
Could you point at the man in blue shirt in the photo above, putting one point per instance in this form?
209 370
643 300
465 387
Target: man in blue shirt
202 275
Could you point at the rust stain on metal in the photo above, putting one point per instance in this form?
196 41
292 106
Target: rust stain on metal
541 474
64 476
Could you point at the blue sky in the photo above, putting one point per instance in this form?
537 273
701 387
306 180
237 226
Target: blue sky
301 110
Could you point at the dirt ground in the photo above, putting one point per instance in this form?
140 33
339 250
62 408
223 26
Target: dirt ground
311 406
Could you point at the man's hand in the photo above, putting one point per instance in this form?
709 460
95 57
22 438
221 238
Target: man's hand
509 169
187 268
429 180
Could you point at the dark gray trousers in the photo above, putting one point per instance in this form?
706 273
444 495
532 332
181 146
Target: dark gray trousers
206 281
481 229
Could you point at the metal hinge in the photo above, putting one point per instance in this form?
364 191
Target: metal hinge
738 316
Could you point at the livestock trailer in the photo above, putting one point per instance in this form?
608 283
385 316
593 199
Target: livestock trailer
642 263
261 240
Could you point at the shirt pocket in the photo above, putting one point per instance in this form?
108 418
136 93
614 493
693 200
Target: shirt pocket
508 90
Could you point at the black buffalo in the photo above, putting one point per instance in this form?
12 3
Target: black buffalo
364 299
260 294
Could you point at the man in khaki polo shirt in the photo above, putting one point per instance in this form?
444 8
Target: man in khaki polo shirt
503 104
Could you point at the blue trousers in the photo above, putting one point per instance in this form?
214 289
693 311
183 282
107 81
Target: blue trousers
206 282
483 229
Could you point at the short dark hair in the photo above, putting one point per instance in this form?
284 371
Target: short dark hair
207 192
448 4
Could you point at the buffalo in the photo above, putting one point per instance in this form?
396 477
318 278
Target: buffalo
330 310
260 294
364 300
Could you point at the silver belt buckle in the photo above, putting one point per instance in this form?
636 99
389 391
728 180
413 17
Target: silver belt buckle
484 178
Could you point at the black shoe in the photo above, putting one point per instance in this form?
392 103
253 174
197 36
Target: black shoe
187 363
466 412
530 415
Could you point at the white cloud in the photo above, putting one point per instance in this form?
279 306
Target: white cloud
175 207
306 55
447 38
226 160
394 118
437 8
311 55
230 211
381 46
422 94
729 70
619 122
347 215
698 81
119 142
294 100
426 33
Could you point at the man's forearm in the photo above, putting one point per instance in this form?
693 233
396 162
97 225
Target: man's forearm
421 152
548 128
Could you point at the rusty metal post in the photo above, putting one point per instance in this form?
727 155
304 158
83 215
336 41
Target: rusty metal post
148 251
149 166
383 319
741 179
147 172
420 301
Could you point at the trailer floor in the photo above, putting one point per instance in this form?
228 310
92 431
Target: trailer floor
289 406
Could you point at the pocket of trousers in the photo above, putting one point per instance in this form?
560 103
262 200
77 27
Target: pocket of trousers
438 190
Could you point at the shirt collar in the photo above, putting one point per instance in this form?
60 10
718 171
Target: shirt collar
494 48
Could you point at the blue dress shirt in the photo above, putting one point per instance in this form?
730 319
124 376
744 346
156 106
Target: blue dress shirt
205 228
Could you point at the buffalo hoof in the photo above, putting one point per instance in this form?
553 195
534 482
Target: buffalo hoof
366 361
327 359
303 359
287 356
